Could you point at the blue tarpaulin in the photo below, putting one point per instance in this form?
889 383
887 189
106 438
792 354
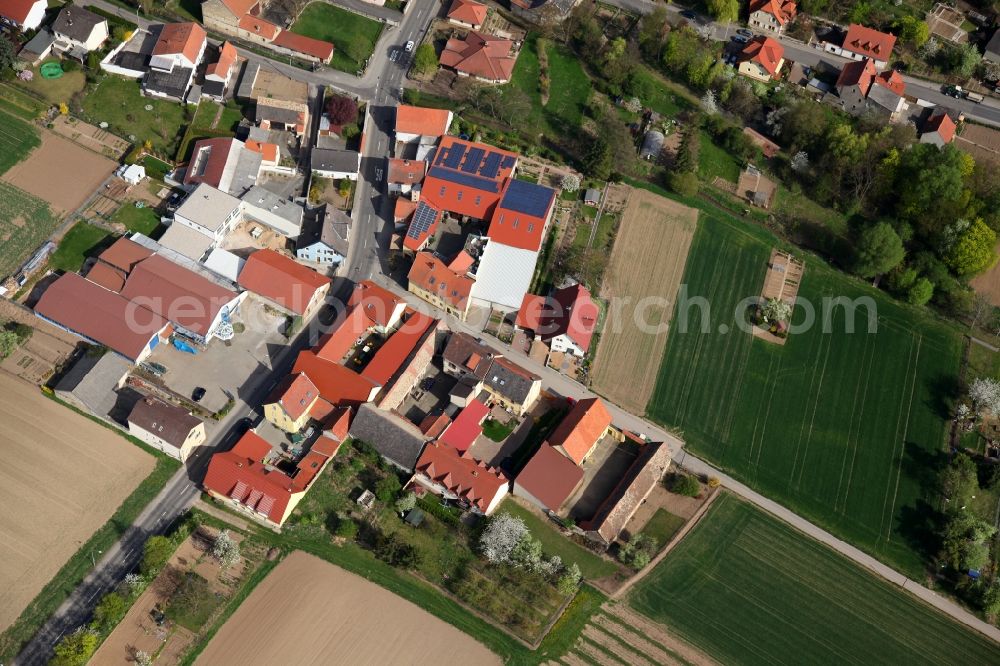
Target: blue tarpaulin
183 346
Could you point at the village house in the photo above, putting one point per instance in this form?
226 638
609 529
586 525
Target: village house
548 480
479 56
771 15
382 308
92 382
23 14
325 241
761 59
224 163
402 359
456 476
245 478
467 426
861 42
938 129
166 427
174 60
467 13
335 163
78 32
397 440
465 357
219 74
244 19
415 124
284 282
586 424
280 102
437 284
863 89
338 385
403 174
511 386
289 404
565 320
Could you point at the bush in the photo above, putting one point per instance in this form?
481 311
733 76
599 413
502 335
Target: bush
684 183
346 529
684 484
109 612
155 554
70 65
387 487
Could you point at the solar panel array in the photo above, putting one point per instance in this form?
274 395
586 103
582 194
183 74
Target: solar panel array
462 178
528 198
472 160
508 162
454 156
491 167
423 220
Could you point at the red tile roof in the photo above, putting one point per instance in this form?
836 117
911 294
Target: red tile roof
860 73
550 477
222 67
783 10
295 393
124 254
869 42
258 26
337 424
177 294
431 275
416 238
404 208
268 151
103 316
466 427
16 10
281 279
461 197
468 11
405 172
379 304
107 276
518 228
321 410
418 120
393 355
209 158
434 424
316 48
337 385
484 56
766 52
473 481
334 345
533 313
240 7
943 125
581 429
570 311
892 80
181 39
461 263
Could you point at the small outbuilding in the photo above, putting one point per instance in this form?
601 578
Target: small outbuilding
592 197
652 145
133 174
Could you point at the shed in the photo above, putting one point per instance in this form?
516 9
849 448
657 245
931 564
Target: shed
133 174
652 145
592 197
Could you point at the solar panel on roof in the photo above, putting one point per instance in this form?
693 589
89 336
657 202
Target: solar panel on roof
454 157
462 178
423 219
472 160
528 198
491 167
508 161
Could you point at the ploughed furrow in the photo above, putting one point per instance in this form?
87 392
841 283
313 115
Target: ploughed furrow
635 641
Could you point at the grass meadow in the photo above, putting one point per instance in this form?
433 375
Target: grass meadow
119 102
81 241
568 93
749 589
25 222
844 428
342 28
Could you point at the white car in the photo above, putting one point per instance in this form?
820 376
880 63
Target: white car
409 46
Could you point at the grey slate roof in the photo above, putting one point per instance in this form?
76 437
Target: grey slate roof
462 347
38 44
510 380
332 228
275 114
173 83
328 159
92 380
169 422
76 23
396 439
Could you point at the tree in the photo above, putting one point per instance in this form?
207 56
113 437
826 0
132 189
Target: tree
406 503
570 182
134 583
8 56
597 160
973 252
637 552
878 250
142 658
75 649
425 61
155 554
912 31
723 10
387 487
341 110
569 581
684 484
395 552
527 554
502 535
800 162
959 480
346 528
109 612
225 549
775 310
708 103
357 47
985 395
991 600
651 30
684 183
965 540
920 292
8 343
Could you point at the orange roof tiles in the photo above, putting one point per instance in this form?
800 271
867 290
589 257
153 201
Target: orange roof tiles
16 10
281 279
434 424
405 172
431 275
295 393
782 10
766 52
484 56
268 151
222 67
307 45
549 477
404 208
467 426
124 254
181 39
570 311
473 481
379 304
860 73
892 80
468 11
258 26
393 355
533 312
577 434
869 42
240 7
943 125
107 276
418 120
521 215
334 345
461 263
337 385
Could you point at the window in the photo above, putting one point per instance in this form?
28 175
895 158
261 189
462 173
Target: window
441 193
516 220
479 200
531 227
460 195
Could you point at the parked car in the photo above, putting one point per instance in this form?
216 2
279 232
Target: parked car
409 46
741 39
689 15
746 33
198 394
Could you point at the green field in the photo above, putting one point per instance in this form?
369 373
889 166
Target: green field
119 102
568 92
663 526
844 428
353 35
17 139
25 223
81 241
144 220
749 589
715 161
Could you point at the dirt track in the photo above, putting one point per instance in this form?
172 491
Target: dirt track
62 477
647 261
60 172
308 611
988 284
